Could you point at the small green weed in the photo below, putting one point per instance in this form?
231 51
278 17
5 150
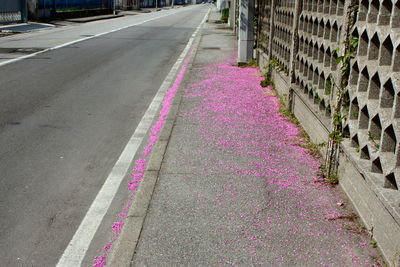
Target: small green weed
225 15
379 262
373 139
252 64
355 228
350 217
332 179
267 80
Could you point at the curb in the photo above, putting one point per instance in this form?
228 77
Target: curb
124 249
90 19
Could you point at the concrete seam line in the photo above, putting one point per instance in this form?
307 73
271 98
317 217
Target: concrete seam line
76 249
312 112
157 155
86 38
119 258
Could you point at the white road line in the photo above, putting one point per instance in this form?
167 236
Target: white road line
76 249
86 38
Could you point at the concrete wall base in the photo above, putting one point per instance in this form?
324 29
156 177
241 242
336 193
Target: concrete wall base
376 217
360 185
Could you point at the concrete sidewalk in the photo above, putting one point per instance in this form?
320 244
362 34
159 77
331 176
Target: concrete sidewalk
231 184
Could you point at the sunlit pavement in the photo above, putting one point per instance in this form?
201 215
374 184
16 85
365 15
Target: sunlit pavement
235 186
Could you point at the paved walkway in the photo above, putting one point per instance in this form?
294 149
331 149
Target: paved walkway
234 187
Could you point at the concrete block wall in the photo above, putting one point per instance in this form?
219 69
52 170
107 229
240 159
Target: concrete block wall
10 17
374 91
303 37
373 126
283 18
264 32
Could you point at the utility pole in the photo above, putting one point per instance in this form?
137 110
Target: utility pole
24 11
113 7
246 31
53 8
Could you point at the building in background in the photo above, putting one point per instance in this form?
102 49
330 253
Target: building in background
13 11
42 9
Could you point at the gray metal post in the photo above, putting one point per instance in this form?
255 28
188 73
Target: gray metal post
246 31
136 4
232 14
24 11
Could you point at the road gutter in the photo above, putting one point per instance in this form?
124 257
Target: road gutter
122 252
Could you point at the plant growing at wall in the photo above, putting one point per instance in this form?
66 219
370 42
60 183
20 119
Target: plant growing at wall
340 108
286 113
225 14
255 22
328 85
372 138
274 64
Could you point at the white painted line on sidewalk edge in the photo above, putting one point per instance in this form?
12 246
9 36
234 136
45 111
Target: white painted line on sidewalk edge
86 38
76 249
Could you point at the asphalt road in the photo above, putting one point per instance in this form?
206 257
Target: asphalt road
65 117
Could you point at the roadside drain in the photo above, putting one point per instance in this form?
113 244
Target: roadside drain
20 50
211 48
